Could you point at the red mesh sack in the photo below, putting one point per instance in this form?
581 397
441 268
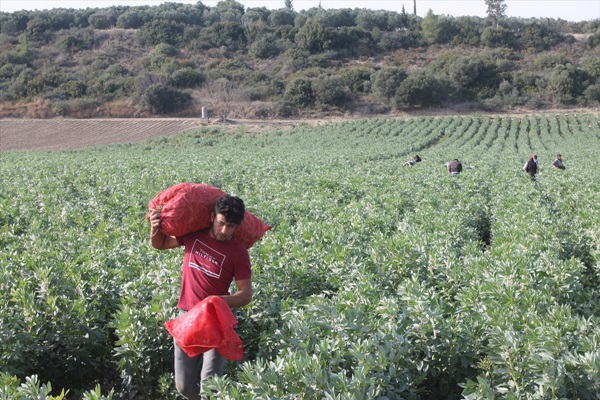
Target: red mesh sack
186 207
208 325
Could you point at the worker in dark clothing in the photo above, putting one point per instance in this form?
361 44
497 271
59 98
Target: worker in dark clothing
531 166
454 167
558 163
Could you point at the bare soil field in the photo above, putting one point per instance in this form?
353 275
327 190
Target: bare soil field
63 134
59 134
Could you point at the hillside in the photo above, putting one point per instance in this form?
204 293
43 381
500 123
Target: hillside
174 60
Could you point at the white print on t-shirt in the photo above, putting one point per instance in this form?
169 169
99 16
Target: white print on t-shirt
206 259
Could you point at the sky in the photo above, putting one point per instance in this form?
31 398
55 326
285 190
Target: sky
570 10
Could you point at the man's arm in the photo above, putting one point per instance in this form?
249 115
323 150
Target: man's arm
243 295
158 239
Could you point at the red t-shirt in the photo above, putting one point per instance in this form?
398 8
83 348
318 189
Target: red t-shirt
209 267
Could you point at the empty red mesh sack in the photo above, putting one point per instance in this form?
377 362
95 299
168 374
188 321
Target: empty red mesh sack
208 325
187 207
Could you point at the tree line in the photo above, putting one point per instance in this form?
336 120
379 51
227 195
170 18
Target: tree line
174 58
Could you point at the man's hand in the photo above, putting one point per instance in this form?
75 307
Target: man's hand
157 238
154 222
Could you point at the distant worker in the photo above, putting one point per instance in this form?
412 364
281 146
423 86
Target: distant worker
411 163
558 163
531 166
454 167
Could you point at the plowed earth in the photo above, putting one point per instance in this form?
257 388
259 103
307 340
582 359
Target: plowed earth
58 134
62 134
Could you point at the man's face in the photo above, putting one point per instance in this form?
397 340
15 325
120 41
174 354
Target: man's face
220 229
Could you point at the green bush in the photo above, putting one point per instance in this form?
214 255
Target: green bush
357 79
264 47
494 37
187 78
161 31
161 99
300 93
419 89
385 82
549 61
330 91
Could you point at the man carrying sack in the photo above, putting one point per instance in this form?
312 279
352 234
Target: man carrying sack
213 259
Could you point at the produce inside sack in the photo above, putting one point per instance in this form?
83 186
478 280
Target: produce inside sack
187 207
208 325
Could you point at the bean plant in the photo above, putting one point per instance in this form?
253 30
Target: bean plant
377 281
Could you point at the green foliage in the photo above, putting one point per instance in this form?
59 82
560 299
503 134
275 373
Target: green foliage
438 29
29 390
161 31
592 67
39 29
357 79
476 76
83 43
264 47
282 17
300 93
497 37
420 89
76 41
566 83
330 91
592 94
549 60
594 40
391 41
187 78
540 37
385 83
377 280
227 34
160 99
102 20
313 37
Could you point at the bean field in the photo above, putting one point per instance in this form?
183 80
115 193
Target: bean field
377 281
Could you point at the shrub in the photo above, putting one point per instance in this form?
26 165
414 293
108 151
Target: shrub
330 91
438 29
497 37
592 94
540 37
161 31
594 40
299 93
357 79
549 61
592 67
187 78
566 83
264 47
161 99
419 89
385 82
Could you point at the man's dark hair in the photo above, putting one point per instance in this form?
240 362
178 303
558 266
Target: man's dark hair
231 207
